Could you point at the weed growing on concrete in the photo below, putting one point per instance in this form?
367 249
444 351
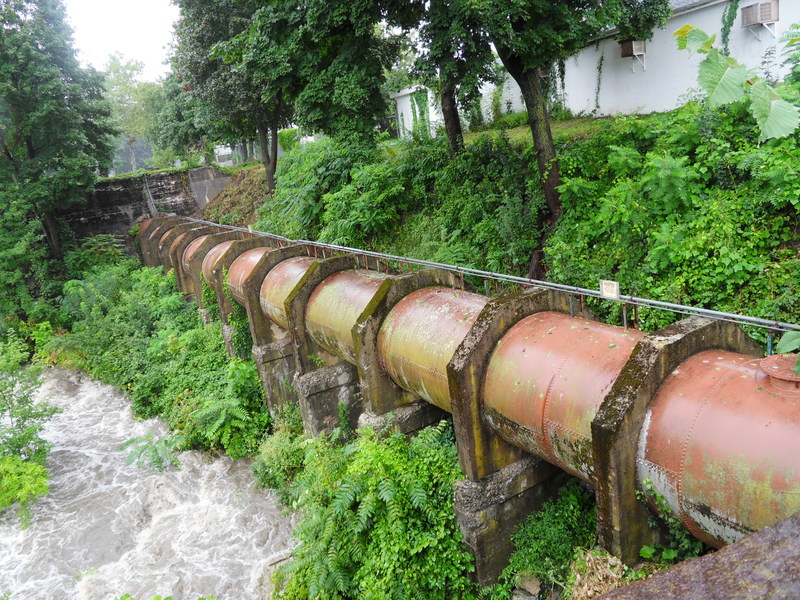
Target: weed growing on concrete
546 543
377 520
682 544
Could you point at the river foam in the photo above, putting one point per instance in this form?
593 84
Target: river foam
107 528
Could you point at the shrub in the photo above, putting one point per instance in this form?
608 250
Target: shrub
378 520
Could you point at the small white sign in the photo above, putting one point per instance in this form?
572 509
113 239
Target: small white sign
609 289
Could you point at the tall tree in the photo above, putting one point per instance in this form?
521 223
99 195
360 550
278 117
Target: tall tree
55 133
134 103
532 35
229 103
267 52
346 52
456 58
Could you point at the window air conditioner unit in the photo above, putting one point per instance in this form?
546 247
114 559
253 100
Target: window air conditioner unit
632 48
760 13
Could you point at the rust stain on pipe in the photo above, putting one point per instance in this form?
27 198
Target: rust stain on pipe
241 269
190 251
336 304
420 335
277 286
211 260
721 443
549 374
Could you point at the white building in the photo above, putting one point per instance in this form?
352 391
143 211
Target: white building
658 77
599 80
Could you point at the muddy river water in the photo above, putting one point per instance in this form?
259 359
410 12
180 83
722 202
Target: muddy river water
108 528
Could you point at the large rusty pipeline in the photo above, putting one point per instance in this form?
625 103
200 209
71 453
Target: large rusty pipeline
720 441
241 269
548 376
277 286
721 444
420 335
190 251
212 258
336 304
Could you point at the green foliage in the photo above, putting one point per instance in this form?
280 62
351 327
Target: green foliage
21 417
289 138
545 544
304 176
280 456
685 207
132 329
97 250
378 520
638 18
681 544
209 299
23 477
54 130
21 483
726 81
156 454
241 339
790 342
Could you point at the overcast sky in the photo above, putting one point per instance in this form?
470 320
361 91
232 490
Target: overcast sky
138 29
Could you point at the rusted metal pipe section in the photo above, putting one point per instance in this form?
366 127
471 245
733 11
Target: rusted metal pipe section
189 253
240 270
212 258
420 335
277 286
721 444
334 308
546 380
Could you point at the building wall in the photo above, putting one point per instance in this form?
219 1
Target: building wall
627 86
405 111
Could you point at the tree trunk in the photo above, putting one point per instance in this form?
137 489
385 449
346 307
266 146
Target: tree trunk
452 122
53 237
245 158
132 154
266 158
273 155
536 104
251 150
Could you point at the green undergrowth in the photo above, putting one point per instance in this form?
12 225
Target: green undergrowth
547 542
377 517
131 328
23 453
685 206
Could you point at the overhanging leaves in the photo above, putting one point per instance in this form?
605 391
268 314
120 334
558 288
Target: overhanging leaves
776 118
722 78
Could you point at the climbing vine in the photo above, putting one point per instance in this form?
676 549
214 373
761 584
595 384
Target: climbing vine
241 340
209 298
599 80
728 17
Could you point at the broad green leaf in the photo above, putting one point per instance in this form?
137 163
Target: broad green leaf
790 342
776 118
722 78
694 40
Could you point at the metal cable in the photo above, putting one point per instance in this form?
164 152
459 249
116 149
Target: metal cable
769 325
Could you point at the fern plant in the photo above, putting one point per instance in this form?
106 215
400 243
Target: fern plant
378 520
